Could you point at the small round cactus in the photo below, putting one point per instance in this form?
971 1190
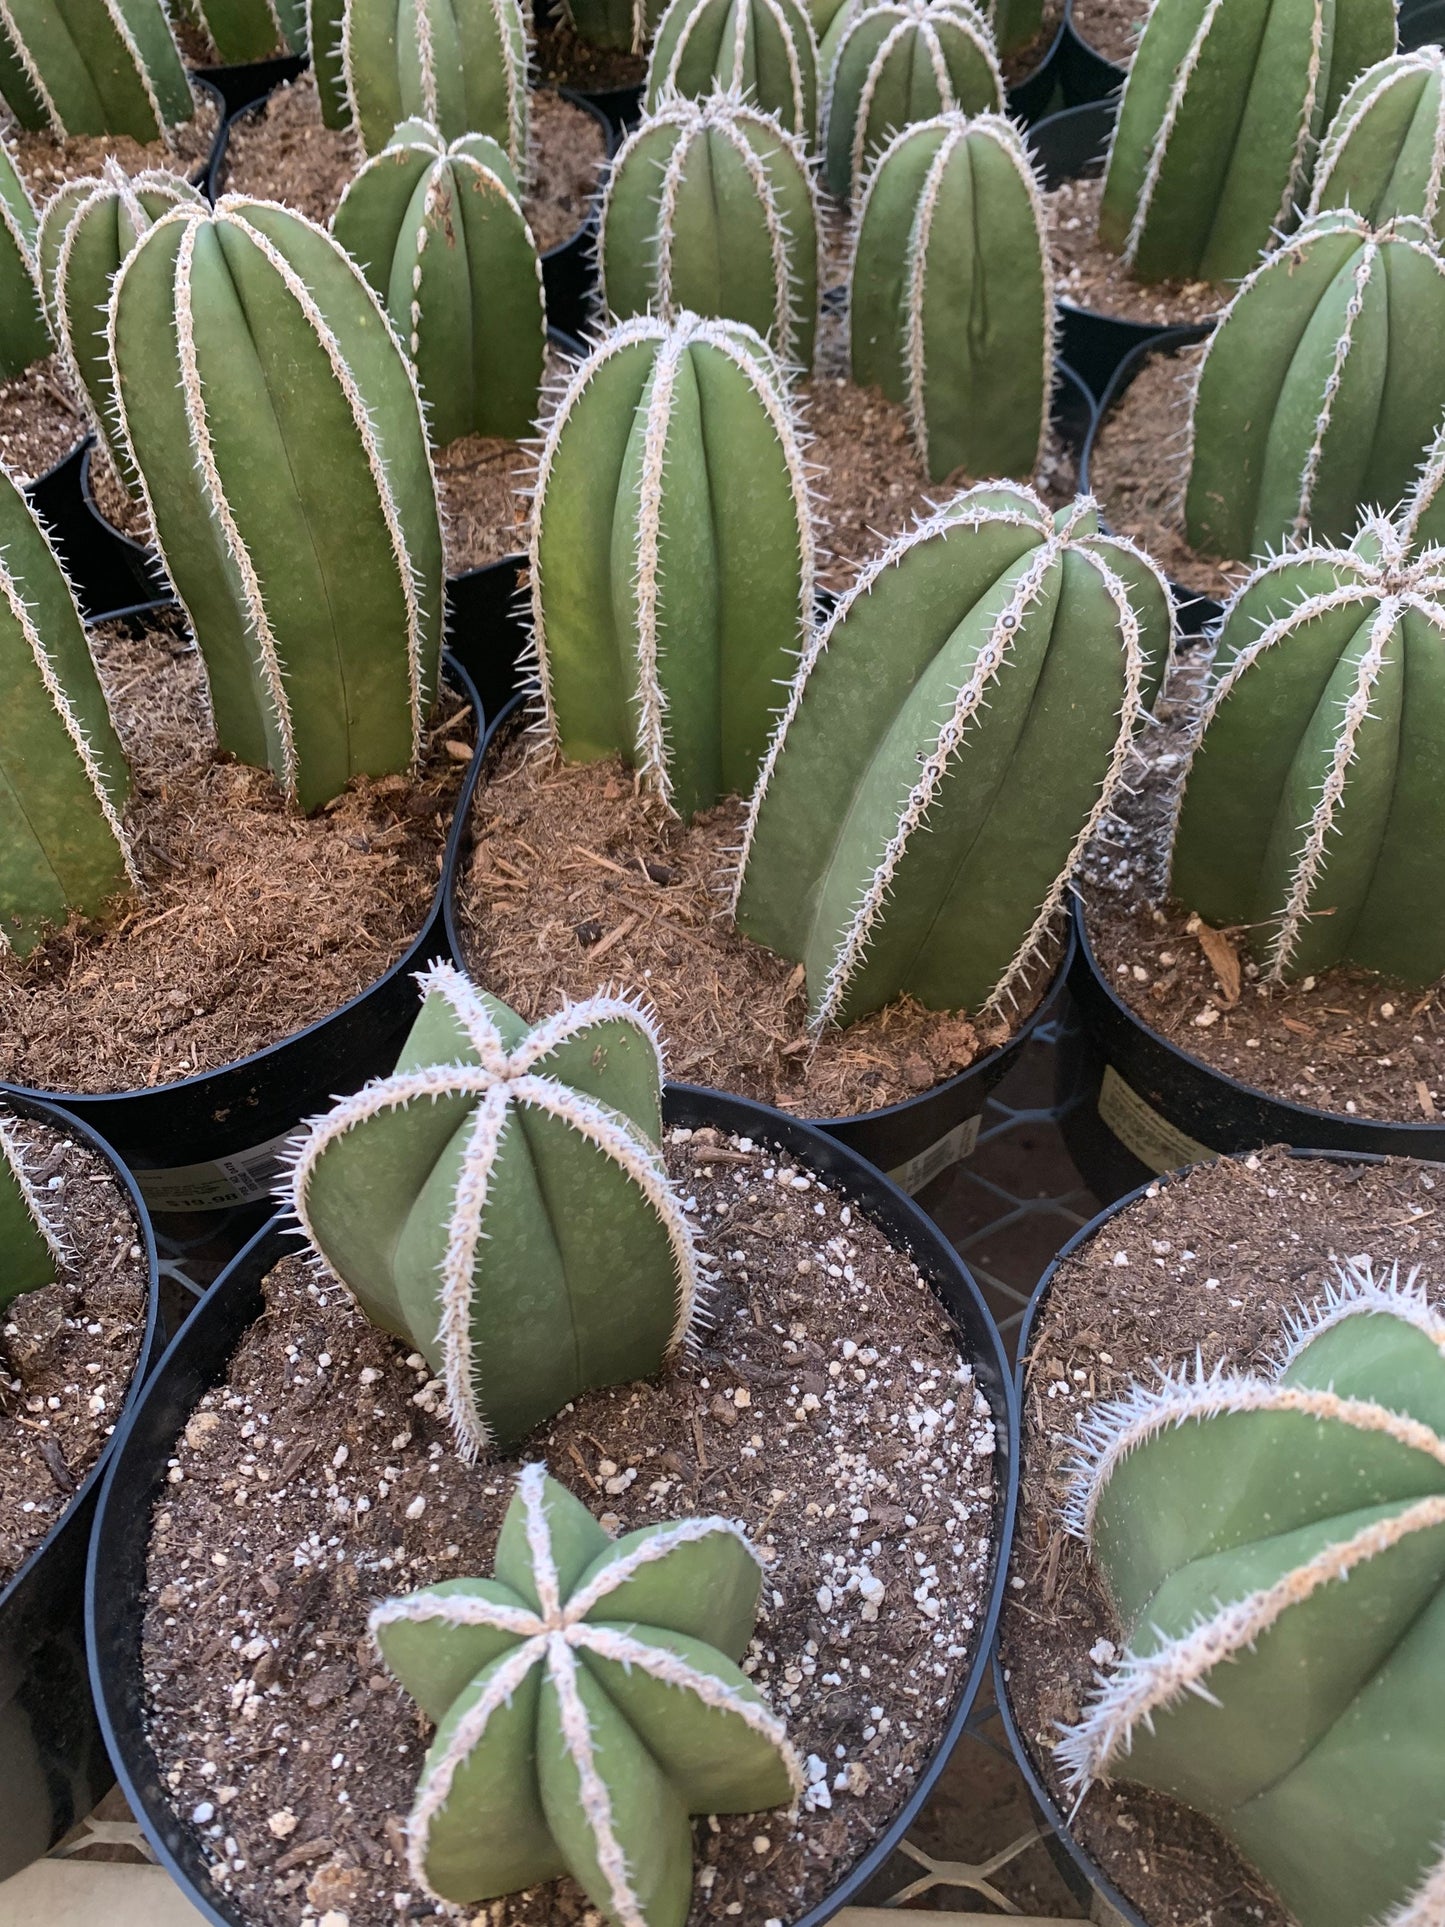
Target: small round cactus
93 67
32 1247
762 50
24 337
460 65
950 297
1384 153
710 206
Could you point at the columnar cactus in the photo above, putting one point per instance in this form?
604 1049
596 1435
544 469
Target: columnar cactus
1222 105
459 64
93 67
1274 1546
1320 387
324 27
1311 812
710 206
440 234
241 30
671 556
1015 23
500 1202
950 296
1384 153
763 50
588 1700
23 335
624 26
956 729
31 1247
88 228
278 435
63 775
895 62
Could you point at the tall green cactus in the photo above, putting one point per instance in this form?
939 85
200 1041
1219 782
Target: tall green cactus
950 295
24 337
63 775
956 729
895 62
623 26
588 1700
440 234
1313 812
1274 1546
31 1247
93 67
277 430
242 30
459 64
500 1202
1320 387
763 50
88 228
710 206
324 28
1222 104
1384 153
671 556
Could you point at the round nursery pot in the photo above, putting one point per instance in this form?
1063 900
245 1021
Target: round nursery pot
1086 73
1422 22
1041 89
246 84
210 1142
107 570
199 1356
53 1762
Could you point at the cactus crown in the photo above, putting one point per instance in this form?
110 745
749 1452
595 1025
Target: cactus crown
1274 1545
459 64
500 1201
32 1248
1384 153
588 1701
710 206
93 67
764 50
23 334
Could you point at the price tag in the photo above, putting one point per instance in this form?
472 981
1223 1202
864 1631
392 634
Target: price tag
954 1145
240 1178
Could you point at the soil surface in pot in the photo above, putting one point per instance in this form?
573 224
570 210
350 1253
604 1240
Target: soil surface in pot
482 484
575 880
1213 1263
286 153
1140 467
114 503
827 1412
45 162
67 1351
1111 27
563 59
1346 1041
1092 276
40 419
254 921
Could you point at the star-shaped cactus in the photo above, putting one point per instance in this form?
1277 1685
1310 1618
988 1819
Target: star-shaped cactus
500 1202
587 1701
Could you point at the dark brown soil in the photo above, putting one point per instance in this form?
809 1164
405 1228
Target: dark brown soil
45 162
563 60
119 508
482 482
255 921
1214 1262
1111 27
321 1477
1089 276
1140 466
575 881
40 419
67 1351
286 153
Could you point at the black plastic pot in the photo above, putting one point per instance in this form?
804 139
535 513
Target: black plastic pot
251 81
1422 23
197 1359
107 570
1087 74
209 1142
1142 1106
1041 91
53 1762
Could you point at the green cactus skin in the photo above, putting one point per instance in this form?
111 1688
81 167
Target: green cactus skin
763 50
588 1700
92 67
24 336
242 30
63 776
1384 153
623 26
1274 1545
950 295
323 37
671 557
276 426
894 63
1221 108
710 206
956 730
501 1186
440 234
461 65
1015 23
1422 514
1313 809
31 1248
1320 387
88 228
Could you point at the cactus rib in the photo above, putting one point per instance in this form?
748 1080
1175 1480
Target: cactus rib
393 70
1384 151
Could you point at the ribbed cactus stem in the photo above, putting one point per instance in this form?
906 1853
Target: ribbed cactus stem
243 30
763 50
460 65
32 1246
950 295
324 30
710 206
24 337
1422 516
623 26
1384 153
1015 23
92 67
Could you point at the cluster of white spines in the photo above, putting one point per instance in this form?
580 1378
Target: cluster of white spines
13 1153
